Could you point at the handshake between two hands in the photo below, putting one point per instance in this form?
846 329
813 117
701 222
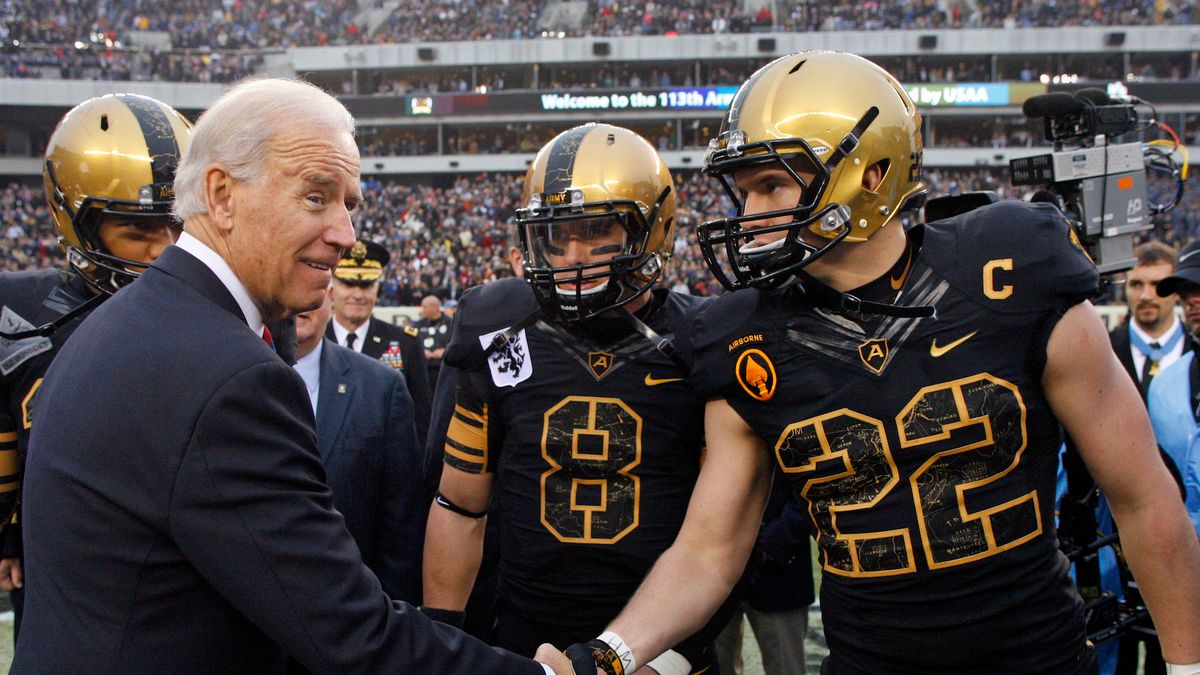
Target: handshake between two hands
561 664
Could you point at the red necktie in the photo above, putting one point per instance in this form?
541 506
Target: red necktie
267 337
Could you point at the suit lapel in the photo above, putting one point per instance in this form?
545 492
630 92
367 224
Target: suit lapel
184 266
333 401
376 341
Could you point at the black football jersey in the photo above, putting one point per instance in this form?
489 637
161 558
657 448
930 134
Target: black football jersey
596 447
28 300
923 448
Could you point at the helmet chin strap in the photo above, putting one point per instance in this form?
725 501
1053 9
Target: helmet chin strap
826 296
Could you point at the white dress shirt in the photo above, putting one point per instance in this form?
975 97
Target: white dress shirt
341 332
224 272
1139 359
309 367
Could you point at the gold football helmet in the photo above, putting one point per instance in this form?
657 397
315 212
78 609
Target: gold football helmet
836 115
602 184
111 156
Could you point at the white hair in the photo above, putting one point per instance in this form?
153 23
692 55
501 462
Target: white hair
235 130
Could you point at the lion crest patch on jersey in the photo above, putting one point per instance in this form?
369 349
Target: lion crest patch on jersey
510 365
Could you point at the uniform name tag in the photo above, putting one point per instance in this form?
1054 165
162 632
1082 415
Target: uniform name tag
15 352
510 364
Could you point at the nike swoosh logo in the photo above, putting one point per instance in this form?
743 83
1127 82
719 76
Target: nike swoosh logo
651 382
897 282
935 351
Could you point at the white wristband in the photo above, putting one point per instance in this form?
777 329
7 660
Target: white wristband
1186 669
670 662
623 651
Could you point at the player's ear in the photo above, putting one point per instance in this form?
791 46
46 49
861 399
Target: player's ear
873 176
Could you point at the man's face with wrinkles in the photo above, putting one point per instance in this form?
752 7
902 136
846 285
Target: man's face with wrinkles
292 223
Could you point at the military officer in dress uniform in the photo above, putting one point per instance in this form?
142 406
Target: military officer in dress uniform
355 290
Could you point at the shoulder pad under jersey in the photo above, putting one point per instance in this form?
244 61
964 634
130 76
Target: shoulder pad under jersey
485 309
1011 257
730 321
725 314
24 292
678 311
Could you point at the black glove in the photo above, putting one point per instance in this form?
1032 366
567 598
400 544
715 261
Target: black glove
588 656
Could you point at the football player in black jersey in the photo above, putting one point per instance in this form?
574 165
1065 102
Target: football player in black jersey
910 387
572 406
108 176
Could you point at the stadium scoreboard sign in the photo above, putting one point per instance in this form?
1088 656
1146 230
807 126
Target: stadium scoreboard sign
696 98
714 99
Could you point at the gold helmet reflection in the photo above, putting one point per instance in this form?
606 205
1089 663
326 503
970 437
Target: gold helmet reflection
114 155
830 113
596 172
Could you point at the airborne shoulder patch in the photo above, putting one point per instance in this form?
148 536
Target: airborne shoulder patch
746 340
756 374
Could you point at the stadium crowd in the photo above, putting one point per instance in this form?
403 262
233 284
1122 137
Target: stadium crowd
447 237
205 41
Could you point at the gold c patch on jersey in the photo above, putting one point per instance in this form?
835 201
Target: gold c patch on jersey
600 363
756 374
874 354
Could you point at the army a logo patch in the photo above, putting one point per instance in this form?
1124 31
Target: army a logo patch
756 374
600 363
27 405
874 354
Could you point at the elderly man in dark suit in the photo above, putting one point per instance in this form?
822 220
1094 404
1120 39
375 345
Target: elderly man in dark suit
373 463
177 517
355 290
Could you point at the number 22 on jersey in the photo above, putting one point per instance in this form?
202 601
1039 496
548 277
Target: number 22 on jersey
974 432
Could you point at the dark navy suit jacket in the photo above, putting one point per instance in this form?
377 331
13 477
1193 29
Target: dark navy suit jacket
373 462
380 337
176 513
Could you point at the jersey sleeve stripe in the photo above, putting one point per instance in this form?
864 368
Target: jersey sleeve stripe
467 438
10 463
475 419
466 450
463 462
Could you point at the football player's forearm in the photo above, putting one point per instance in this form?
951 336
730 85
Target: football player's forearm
684 588
693 577
1164 555
453 549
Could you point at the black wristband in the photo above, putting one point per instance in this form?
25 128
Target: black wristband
440 500
446 616
588 656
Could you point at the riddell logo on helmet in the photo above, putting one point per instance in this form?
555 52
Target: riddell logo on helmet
819 150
